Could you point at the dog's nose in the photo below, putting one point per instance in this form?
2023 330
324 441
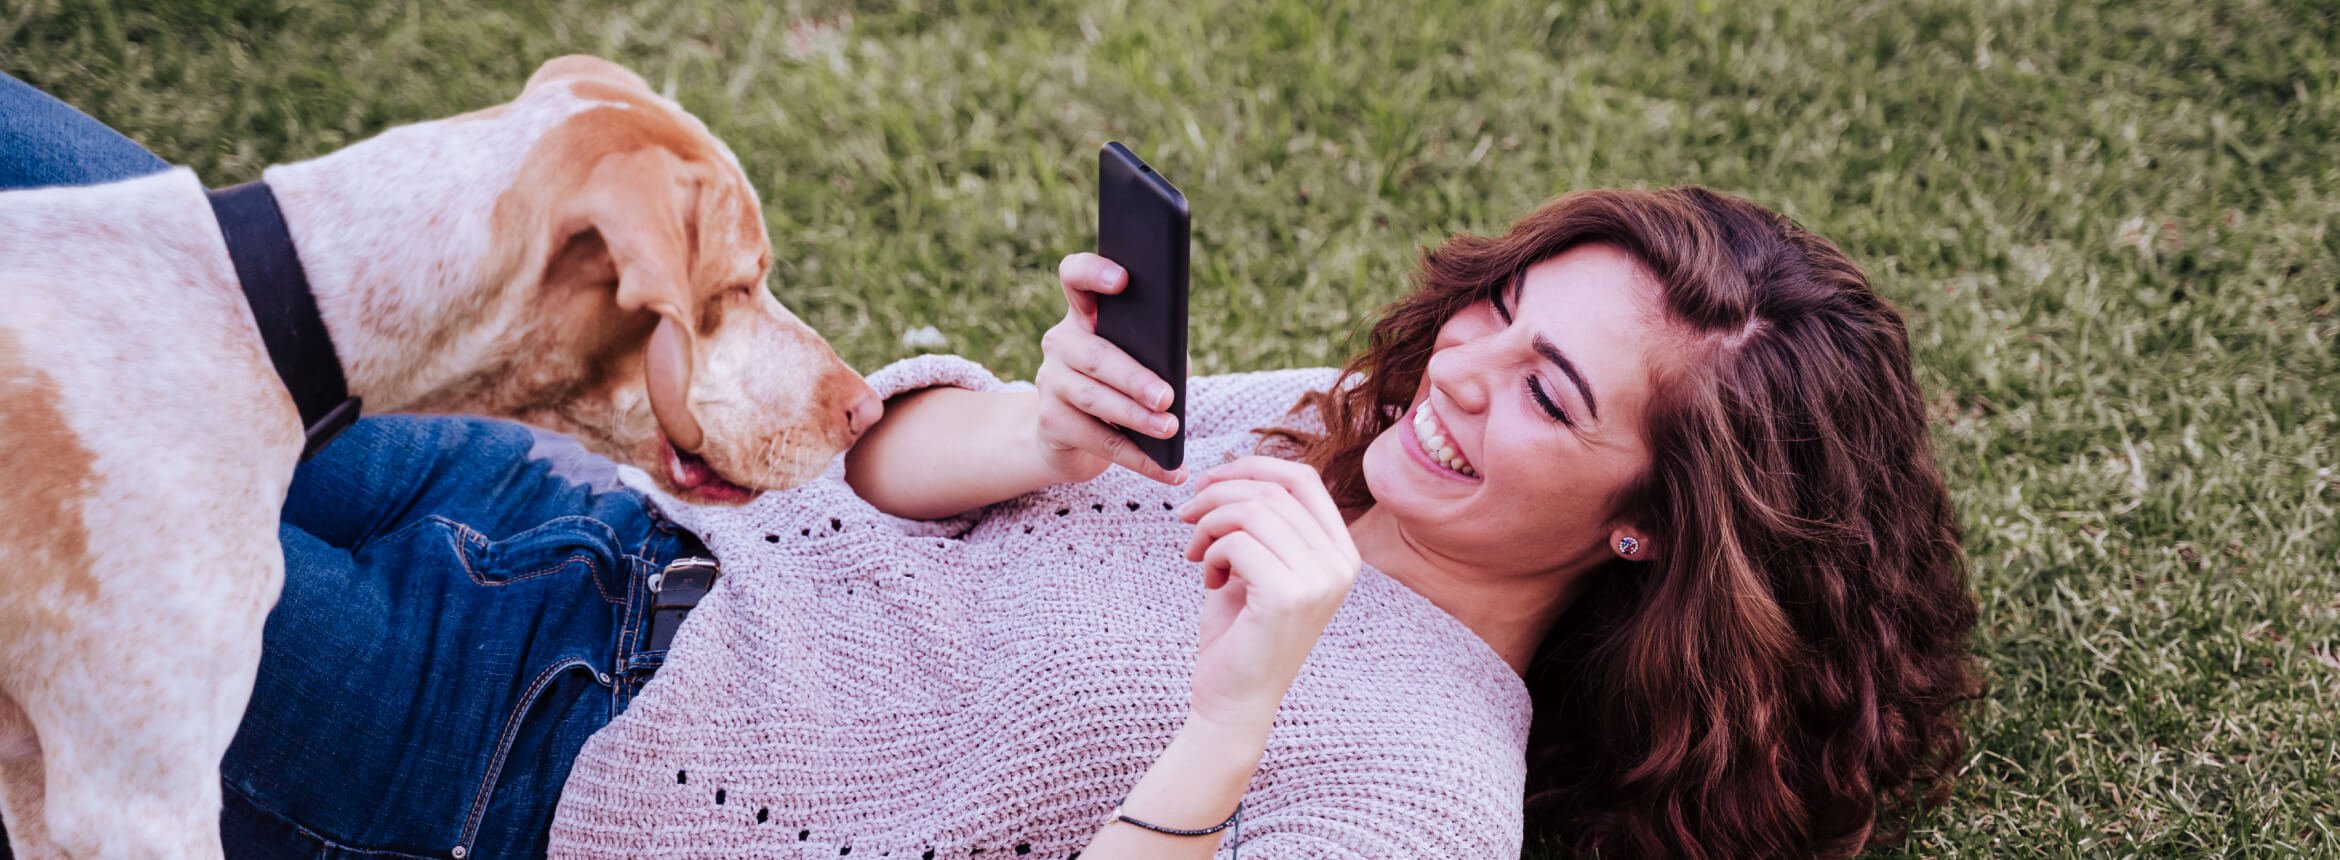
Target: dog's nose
865 412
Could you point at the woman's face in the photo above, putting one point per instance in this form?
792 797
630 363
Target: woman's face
1529 420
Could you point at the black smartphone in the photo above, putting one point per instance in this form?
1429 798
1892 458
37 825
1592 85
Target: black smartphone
1142 225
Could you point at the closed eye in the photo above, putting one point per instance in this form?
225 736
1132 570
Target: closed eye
1535 387
1544 401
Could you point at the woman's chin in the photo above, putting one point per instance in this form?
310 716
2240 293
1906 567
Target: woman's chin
1395 478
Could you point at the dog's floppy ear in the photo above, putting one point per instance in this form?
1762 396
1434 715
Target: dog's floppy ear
584 66
638 202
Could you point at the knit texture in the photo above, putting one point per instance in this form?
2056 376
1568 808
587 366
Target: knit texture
868 686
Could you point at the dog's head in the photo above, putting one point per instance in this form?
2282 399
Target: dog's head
657 342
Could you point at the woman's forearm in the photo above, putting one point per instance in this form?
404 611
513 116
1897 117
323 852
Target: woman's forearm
1194 784
940 452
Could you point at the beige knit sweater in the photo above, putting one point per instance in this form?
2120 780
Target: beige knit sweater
867 686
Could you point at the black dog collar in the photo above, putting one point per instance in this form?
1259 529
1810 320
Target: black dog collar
278 290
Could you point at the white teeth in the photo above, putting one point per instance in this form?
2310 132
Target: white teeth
1434 441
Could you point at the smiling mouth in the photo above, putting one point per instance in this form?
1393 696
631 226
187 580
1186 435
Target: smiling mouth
1435 442
695 480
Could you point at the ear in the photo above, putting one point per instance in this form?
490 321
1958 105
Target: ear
584 66
638 202
1631 544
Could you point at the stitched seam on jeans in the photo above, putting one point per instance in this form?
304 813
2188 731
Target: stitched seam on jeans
463 537
495 771
634 629
619 653
564 564
459 537
321 838
625 562
637 582
425 520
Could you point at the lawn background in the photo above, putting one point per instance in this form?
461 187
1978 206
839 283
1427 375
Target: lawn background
2114 229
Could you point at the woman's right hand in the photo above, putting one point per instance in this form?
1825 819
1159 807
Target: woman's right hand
1088 386
1277 563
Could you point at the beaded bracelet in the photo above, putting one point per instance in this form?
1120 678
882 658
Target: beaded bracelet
1235 839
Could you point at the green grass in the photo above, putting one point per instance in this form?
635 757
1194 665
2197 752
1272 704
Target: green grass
2115 230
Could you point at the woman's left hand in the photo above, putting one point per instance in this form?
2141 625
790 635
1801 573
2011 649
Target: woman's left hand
1277 561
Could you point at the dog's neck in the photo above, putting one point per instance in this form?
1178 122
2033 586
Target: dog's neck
398 239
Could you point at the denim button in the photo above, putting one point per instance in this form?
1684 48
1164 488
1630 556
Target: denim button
460 852
603 677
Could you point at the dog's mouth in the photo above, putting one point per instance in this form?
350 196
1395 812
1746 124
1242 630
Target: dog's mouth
694 480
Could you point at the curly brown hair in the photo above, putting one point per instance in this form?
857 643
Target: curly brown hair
1784 676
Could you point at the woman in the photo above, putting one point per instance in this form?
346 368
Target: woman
1650 467
1622 532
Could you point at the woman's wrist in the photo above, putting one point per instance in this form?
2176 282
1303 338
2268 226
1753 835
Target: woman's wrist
1059 464
943 451
1230 746
1229 725
1200 777
1194 784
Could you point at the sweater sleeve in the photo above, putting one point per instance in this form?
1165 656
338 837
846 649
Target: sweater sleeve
928 371
1243 402
1225 403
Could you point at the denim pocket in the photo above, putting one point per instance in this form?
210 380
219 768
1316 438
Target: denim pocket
430 690
561 706
559 545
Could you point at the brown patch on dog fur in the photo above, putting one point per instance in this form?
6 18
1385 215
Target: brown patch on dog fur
622 213
535 225
48 471
531 223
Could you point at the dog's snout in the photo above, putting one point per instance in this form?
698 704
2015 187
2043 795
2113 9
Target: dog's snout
864 413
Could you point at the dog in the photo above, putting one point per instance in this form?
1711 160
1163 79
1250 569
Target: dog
587 258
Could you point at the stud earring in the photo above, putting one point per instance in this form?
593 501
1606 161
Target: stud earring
1628 547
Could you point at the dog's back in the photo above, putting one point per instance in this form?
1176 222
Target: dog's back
147 443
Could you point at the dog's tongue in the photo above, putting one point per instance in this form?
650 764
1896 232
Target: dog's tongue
692 475
688 472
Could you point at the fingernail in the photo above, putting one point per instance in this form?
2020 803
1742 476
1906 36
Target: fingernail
1160 394
1163 423
1115 275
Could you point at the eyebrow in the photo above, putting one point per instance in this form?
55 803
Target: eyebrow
1551 351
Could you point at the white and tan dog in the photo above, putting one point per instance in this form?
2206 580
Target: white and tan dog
586 258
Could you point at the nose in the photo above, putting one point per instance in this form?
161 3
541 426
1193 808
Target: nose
1460 373
864 413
